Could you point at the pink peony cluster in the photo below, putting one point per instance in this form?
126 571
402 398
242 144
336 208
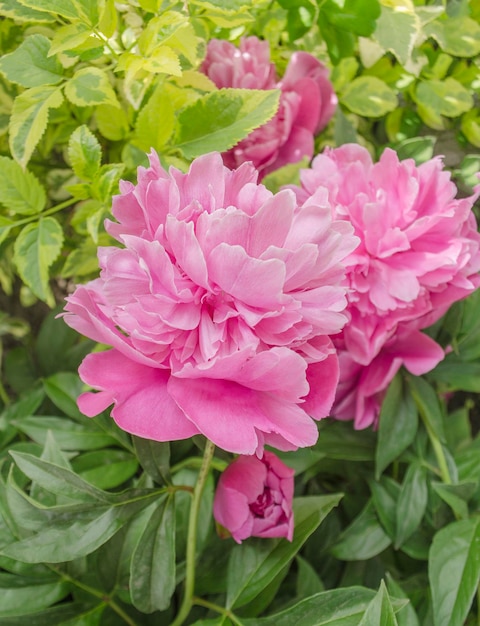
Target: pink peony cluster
254 498
307 101
419 253
218 307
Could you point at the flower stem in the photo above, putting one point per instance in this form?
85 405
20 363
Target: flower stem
217 609
192 535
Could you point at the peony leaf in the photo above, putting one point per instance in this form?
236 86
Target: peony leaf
85 153
154 457
108 468
36 248
20 190
412 503
23 594
454 571
152 569
30 66
380 610
219 120
65 614
253 565
428 405
398 423
363 539
29 119
90 87
369 96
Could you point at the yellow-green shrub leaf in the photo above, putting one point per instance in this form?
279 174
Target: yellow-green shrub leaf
112 122
446 97
36 248
29 119
69 37
30 65
89 87
369 96
20 190
85 153
155 121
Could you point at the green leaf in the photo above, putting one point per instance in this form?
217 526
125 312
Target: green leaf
82 261
380 610
58 480
412 503
155 122
69 37
76 534
456 496
407 616
337 440
107 468
16 11
20 190
459 36
65 8
90 87
353 16
63 390
154 457
308 581
152 570
454 571
447 97
61 615
420 149
369 96
29 119
85 153
69 435
363 539
396 30
106 182
398 425
36 248
254 564
30 66
219 120
428 405
22 595
336 607
112 122
385 495
455 374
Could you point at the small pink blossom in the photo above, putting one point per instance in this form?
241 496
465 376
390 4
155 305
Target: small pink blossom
307 101
254 498
218 308
419 253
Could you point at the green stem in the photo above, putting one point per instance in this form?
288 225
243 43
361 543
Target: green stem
51 211
217 608
98 594
441 460
192 535
4 395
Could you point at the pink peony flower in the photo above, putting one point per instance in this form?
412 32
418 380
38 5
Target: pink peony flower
254 498
307 101
419 253
218 309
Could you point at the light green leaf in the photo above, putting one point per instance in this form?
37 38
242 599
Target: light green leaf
456 496
63 389
447 97
380 610
454 571
363 539
398 424
396 30
16 11
219 120
152 569
369 96
428 405
82 261
90 87
65 8
106 181
29 119
36 248
30 66
112 122
353 16
107 468
155 122
254 564
163 60
22 595
85 153
69 37
412 503
459 36
20 190
6 226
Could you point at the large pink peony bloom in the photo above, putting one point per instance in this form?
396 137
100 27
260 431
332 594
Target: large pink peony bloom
307 101
218 309
254 498
419 253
